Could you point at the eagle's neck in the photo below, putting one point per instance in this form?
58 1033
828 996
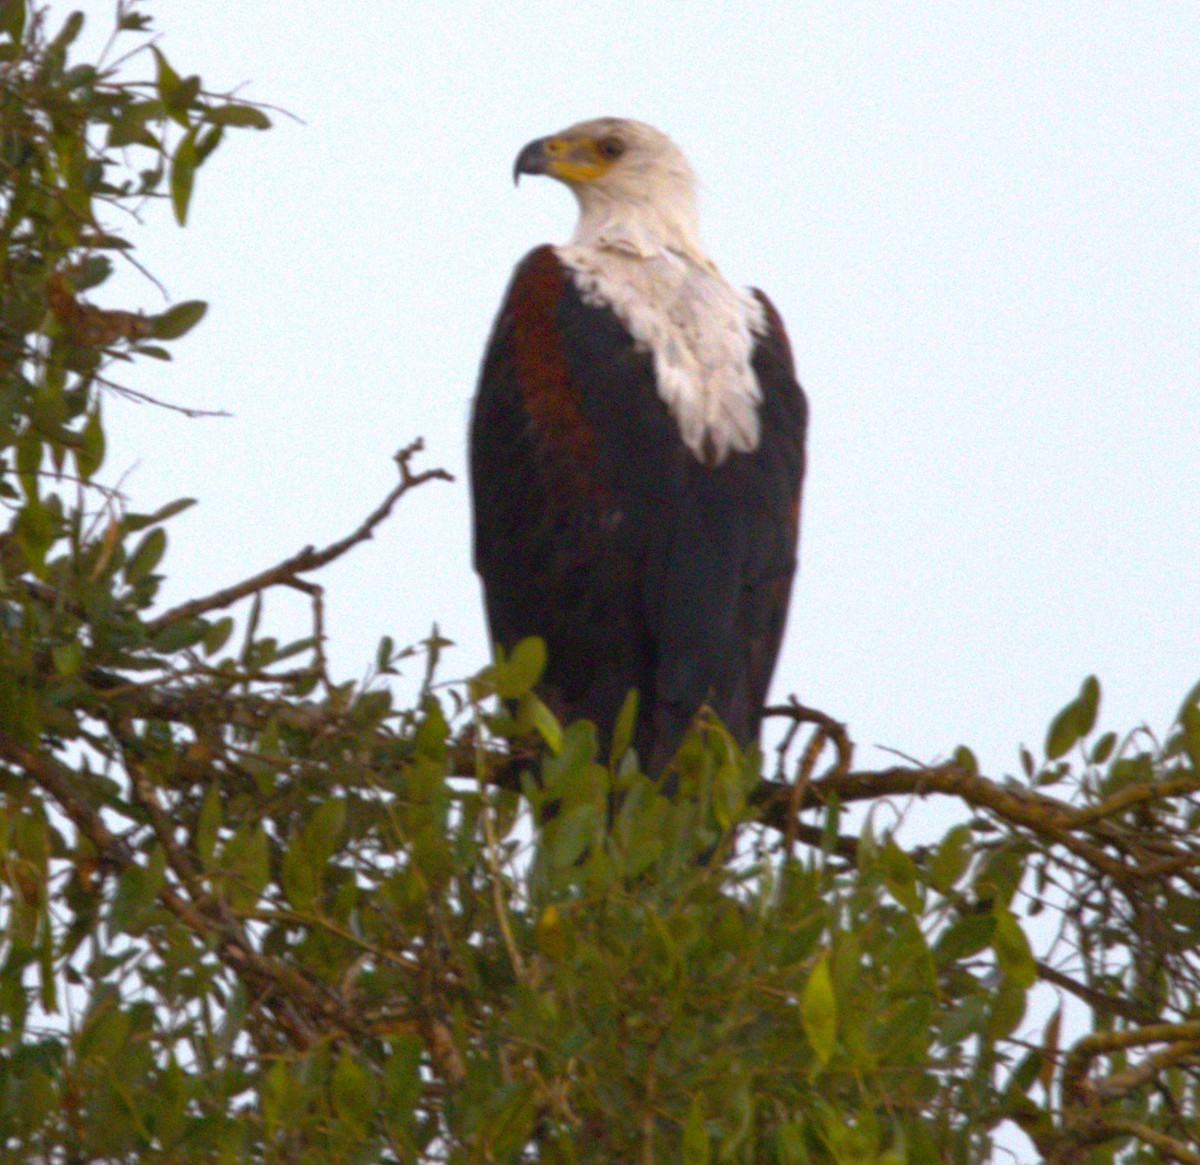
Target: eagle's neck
698 329
646 220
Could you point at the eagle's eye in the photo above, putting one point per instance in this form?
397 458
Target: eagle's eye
610 148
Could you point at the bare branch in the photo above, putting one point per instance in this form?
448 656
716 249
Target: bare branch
308 559
1132 796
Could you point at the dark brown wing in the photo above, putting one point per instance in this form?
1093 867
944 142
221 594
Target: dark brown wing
597 529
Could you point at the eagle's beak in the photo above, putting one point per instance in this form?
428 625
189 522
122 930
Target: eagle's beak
533 159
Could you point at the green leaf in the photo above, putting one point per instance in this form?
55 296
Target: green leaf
1013 952
183 175
89 453
147 556
900 876
105 1032
238 115
1001 873
622 735
218 635
70 30
12 19
790 1144
134 522
324 829
549 935
523 668
274 1094
1007 1009
136 889
353 1092
247 856
35 533
544 722
300 879
512 1122
697 1148
177 636
29 461
131 126
565 770
1189 721
91 272
1103 748
1063 732
153 351
1089 704
178 320
67 658
950 859
207 825
402 1075
168 83
818 1011
1075 720
963 938
182 98
569 834
132 21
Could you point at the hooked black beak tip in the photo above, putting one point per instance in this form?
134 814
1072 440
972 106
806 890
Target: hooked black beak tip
533 159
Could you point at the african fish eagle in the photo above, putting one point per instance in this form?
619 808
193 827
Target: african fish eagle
637 454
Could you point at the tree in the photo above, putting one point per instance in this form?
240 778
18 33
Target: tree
251 912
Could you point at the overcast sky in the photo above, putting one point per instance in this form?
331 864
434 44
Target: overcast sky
978 220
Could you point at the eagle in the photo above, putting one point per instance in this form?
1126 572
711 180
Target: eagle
637 454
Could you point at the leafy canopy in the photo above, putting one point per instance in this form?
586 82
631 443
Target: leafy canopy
252 913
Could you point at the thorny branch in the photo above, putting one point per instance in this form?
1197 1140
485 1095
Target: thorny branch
828 730
287 573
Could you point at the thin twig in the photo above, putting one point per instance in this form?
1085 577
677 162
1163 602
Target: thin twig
317 594
308 559
134 395
1097 1000
799 787
835 730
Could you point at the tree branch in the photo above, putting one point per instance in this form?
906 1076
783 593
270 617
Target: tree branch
1075 1084
1099 1129
308 559
1097 1000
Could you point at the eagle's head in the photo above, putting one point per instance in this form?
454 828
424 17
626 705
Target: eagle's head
634 186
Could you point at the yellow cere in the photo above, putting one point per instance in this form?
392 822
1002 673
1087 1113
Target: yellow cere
576 160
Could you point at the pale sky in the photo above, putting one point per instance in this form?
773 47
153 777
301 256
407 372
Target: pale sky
979 222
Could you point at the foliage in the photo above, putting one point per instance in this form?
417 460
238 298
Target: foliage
250 913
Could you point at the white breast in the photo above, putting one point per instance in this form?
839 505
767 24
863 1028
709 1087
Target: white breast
699 330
